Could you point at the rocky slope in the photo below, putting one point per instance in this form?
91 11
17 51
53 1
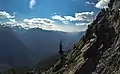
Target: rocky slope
98 51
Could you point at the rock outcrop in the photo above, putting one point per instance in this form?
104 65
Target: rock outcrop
98 51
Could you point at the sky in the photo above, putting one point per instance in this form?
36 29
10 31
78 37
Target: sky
59 15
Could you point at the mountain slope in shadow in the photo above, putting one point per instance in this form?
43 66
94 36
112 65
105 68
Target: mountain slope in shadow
12 51
22 48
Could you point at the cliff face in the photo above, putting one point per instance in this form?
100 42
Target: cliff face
98 52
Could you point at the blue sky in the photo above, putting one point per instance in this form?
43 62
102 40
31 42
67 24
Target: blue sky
47 9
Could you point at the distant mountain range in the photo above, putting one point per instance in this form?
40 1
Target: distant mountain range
20 47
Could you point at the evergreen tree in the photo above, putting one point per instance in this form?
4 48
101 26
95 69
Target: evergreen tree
60 50
74 46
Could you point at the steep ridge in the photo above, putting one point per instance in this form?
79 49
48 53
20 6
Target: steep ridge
98 51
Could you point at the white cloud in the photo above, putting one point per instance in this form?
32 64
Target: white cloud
58 17
81 24
13 20
81 16
102 4
38 20
89 3
7 18
64 18
66 22
49 25
84 16
70 18
32 3
5 15
45 23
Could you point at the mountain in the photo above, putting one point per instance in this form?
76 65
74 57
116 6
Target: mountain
12 51
98 51
25 48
